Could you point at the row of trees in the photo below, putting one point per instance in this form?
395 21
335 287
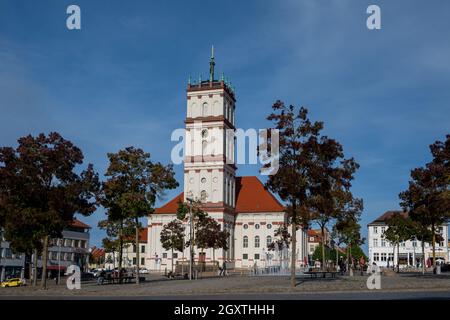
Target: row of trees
42 187
427 202
314 179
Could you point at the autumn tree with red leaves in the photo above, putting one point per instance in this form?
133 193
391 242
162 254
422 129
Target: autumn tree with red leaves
41 191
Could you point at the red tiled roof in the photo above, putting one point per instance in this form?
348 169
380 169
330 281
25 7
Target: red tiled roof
384 218
97 252
172 205
143 234
251 196
312 233
78 224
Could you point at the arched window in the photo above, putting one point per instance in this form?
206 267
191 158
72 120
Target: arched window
269 241
245 242
205 109
257 242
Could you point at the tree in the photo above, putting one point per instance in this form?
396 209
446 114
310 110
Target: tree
422 233
40 182
399 230
118 232
281 241
299 147
331 182
347 228
209 234
427 199
134 183
172 237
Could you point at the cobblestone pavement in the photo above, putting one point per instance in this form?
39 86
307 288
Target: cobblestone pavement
159 286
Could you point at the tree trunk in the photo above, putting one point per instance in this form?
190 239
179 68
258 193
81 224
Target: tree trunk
349 257
322 229
172 261
214 261
35 267
120 251
393 255
138 261
30 268
434 248
294 244
398 257
44 263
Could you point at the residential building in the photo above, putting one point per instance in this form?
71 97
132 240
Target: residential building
129 256
383 254
71 249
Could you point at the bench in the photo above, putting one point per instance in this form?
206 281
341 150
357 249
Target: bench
114 280
322 273
173 275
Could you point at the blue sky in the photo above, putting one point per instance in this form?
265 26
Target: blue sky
121 80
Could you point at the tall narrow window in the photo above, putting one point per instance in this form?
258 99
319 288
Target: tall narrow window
257 242
245 242
269 241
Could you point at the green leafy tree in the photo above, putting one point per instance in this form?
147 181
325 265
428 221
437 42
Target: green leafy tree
133 184
209 234
40 183
427 199
348 230
119 231
282 239
399 230
172 237
423 234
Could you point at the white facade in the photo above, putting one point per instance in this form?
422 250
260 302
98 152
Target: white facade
129 257
383 254
210 176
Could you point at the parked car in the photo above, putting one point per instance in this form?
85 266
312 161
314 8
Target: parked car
143 270
13 282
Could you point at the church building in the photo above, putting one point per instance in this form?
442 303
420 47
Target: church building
241 205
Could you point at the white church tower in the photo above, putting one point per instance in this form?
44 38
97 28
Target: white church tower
241 205
209 170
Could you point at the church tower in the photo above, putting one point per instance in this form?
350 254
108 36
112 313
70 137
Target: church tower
209 170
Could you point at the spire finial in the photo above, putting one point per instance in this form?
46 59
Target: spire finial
211 65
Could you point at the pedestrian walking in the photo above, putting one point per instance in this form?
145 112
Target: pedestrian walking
224 268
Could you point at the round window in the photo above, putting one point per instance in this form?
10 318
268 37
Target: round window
204 133
269 226
256 226
203 180
245 226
